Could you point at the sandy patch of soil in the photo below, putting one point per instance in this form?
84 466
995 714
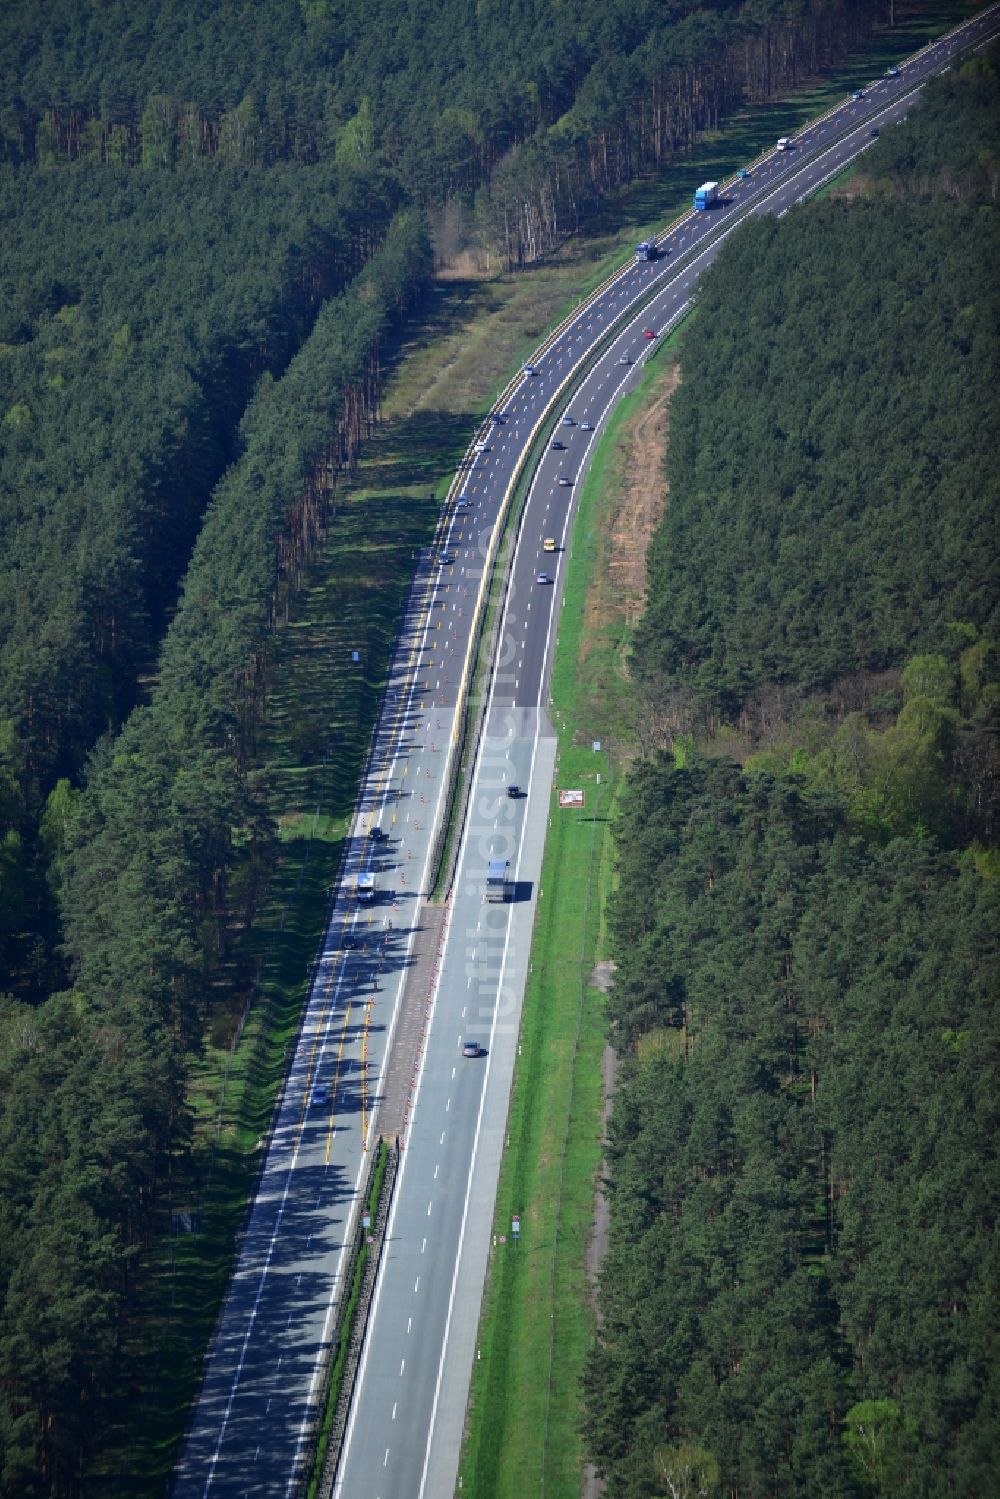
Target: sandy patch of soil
620 589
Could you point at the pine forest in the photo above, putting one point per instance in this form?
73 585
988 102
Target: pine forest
219 219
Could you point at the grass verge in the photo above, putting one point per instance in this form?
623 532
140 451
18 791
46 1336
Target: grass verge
321 711
470 335
525 1413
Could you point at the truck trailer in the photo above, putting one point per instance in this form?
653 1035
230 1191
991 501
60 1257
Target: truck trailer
706 196
499 886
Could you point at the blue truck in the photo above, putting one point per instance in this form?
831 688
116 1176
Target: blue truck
706 196
646 250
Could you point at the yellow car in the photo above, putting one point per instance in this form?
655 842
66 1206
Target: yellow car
549 544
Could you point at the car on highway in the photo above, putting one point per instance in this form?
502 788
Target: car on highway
446 559
586 426
543 577
463 502
873 132
482 447
649 332
743 174
320 1096
624 359
557 446
565 479
568 421
513 791
471 1049
549 544
858 93
530 369
892 72
376 834
498 418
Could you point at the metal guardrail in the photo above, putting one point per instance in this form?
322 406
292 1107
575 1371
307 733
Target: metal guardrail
575 376
487 580
460 730
375 1240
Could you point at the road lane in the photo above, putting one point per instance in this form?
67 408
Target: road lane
426 1446
251 1423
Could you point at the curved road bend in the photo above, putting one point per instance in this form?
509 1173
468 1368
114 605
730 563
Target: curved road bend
250 1425
404 1437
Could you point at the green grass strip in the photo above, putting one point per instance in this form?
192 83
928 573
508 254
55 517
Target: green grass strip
525 1409
184 1278
322 708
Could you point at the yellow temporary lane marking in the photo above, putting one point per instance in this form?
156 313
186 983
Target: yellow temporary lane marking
336 1084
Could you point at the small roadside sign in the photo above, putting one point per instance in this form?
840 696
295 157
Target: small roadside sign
515 1226
571 798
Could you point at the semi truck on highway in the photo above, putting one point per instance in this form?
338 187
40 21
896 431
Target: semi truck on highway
498 881
366 888
646 251
706 196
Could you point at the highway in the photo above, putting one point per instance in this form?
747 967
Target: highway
251 1426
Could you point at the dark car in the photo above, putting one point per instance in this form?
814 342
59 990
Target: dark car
320 1096
873 132
513 792
557 445
376 834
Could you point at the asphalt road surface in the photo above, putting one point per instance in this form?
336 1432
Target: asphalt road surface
251 1426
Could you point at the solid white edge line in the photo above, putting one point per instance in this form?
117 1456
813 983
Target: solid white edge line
351 1225
676 318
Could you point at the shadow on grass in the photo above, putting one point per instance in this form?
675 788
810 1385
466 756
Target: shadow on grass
446 307
321 710
322 706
